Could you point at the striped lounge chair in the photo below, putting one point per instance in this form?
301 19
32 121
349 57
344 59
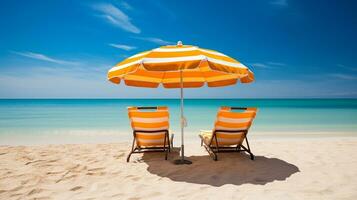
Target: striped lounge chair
150 129
231 128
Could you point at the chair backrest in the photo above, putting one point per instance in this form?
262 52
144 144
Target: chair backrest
150 125
232 124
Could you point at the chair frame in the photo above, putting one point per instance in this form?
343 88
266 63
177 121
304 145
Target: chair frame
138 149
214 149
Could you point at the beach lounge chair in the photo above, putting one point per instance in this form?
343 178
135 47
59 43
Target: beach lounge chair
231 129
150 130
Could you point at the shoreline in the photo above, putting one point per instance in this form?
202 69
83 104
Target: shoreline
103 137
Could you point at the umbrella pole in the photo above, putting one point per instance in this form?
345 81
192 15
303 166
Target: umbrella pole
182 119
183 123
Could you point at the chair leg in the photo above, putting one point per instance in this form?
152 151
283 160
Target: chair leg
211 153
128 157
166 153
217 149
248 149
132 150
168 146
250 152
251 155
215 157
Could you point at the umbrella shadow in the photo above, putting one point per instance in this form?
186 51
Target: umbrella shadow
231 168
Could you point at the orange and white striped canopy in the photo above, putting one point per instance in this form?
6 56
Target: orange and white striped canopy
165 65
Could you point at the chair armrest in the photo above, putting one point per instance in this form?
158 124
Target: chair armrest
238 108
202 132
154 131
147 107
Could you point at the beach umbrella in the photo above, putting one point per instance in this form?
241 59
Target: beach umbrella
180 66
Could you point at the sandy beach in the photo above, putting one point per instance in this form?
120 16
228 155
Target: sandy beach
81 82
283 169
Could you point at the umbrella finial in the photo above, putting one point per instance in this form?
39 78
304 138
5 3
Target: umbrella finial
179 43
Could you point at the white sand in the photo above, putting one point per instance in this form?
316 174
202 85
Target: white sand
284 169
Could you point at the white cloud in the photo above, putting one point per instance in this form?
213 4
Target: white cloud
343 76
267 65
260 65
346 67
116 17
276 63
122 46
155 40
279 2
43 57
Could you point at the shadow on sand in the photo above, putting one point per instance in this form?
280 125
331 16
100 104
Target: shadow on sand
231 168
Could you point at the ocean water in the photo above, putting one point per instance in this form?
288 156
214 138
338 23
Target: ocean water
103 120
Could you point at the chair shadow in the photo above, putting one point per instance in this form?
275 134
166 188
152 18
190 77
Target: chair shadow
231 168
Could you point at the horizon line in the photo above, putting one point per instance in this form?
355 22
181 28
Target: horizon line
267 98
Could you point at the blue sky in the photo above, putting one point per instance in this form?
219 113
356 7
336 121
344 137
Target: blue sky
63 49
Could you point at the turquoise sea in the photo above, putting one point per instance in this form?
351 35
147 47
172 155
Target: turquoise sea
105 120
